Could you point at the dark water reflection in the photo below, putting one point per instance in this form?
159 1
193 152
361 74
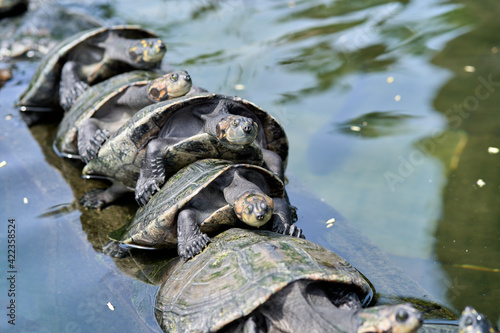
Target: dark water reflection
366 91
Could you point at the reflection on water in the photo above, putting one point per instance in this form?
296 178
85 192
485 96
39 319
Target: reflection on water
385 119
468 233
376 124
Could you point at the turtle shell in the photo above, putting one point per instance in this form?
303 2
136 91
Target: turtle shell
155 224
240 270
8 7
89 103
41 92
120 157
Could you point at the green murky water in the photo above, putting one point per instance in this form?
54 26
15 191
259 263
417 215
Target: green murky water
391 109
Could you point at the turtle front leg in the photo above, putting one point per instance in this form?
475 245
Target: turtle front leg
152 174
191 240
282 221
90 139
274 163
99 198
71 85
115 250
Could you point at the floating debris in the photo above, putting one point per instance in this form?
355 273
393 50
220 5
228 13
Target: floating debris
494 50
390 79
470 69
455 158
480 183
25 200
110 306
2 164
8 117
477 268
493 150
397 98
239 86
5 75
330 222
355 128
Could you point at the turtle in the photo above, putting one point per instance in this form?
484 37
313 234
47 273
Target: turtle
103 108
472 321
261 281
12 7
121 156
87 58
201 198
234 123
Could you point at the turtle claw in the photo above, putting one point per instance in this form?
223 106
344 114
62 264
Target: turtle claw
93 199
113 249
76 91
193 246
145 189
295 231
289 230
91 149
71 87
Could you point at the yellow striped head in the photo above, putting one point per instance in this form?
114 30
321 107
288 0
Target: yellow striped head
147 53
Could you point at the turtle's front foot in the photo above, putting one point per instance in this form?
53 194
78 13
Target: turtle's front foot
113 249
289 230
146 188
68 99
192 246
71 86
95 199
90 149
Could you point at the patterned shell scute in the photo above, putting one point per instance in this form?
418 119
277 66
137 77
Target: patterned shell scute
239 271
90 102
40 91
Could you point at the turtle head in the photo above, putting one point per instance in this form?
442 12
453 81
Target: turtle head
236 130
170 85
401 318
472 321
147 53
254 208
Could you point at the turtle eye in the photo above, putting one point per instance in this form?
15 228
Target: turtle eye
469 321
174 77
249 209
236 122
401 315
264 206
